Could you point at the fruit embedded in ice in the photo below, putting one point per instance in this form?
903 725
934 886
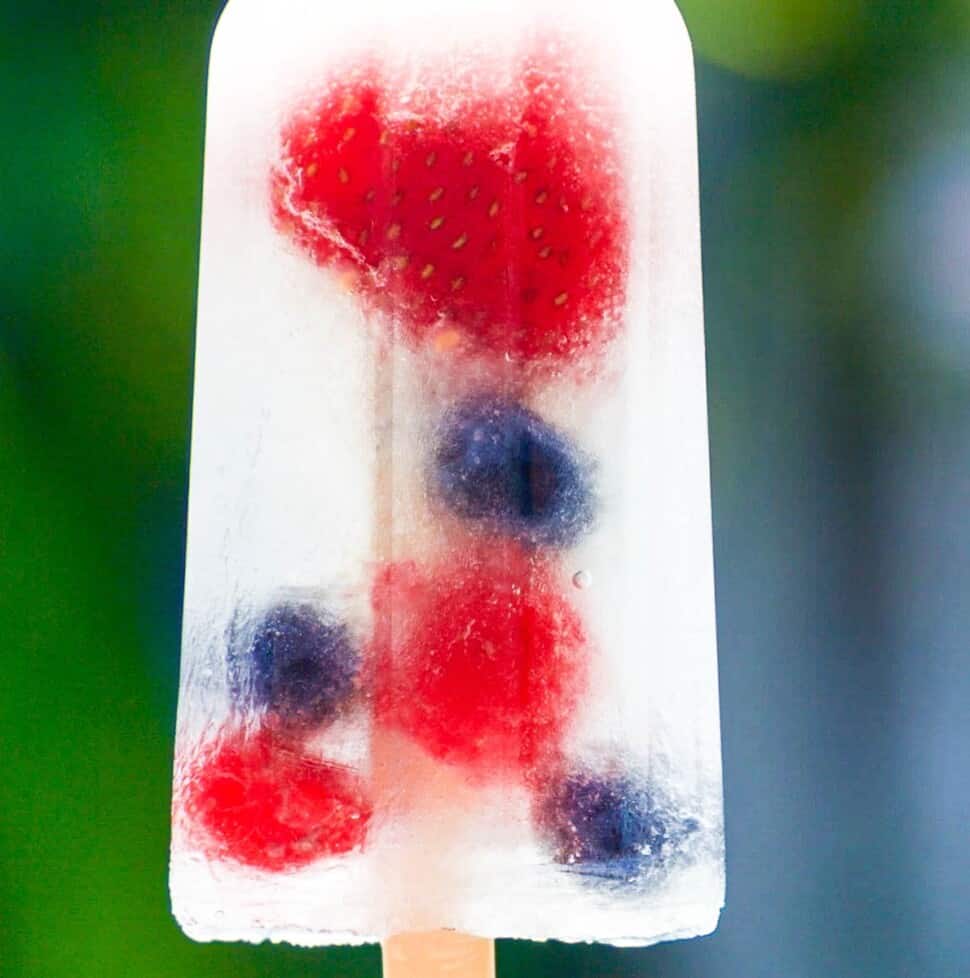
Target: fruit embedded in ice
479 660
501 466
259 800
499 209
606 821
298 663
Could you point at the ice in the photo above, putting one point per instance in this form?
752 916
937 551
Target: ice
449 646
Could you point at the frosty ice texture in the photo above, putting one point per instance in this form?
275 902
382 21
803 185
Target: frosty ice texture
448 643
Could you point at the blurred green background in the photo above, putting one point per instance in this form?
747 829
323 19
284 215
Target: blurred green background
835 165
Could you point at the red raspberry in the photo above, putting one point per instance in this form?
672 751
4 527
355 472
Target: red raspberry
264 803
481 661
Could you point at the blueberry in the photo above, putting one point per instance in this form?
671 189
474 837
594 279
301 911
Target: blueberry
298 664
609 823
500 465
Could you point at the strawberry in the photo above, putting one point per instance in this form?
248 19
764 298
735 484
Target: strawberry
494 214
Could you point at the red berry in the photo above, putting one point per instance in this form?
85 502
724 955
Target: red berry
263 802
495 212
481 661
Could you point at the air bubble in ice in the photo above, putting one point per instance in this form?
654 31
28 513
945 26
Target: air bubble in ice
582 579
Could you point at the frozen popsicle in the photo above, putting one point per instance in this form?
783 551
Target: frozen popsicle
449 650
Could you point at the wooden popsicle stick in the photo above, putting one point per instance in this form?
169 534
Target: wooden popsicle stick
438 954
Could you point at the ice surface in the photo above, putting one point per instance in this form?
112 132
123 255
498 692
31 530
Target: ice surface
449 646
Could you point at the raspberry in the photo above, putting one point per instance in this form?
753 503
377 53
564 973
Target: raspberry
485 663
262 802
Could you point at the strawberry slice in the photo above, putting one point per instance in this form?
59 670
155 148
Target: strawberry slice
493 215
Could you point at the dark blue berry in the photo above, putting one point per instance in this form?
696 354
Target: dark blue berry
607 824
297 663
500 465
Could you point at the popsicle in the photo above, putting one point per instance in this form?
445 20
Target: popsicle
448 656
